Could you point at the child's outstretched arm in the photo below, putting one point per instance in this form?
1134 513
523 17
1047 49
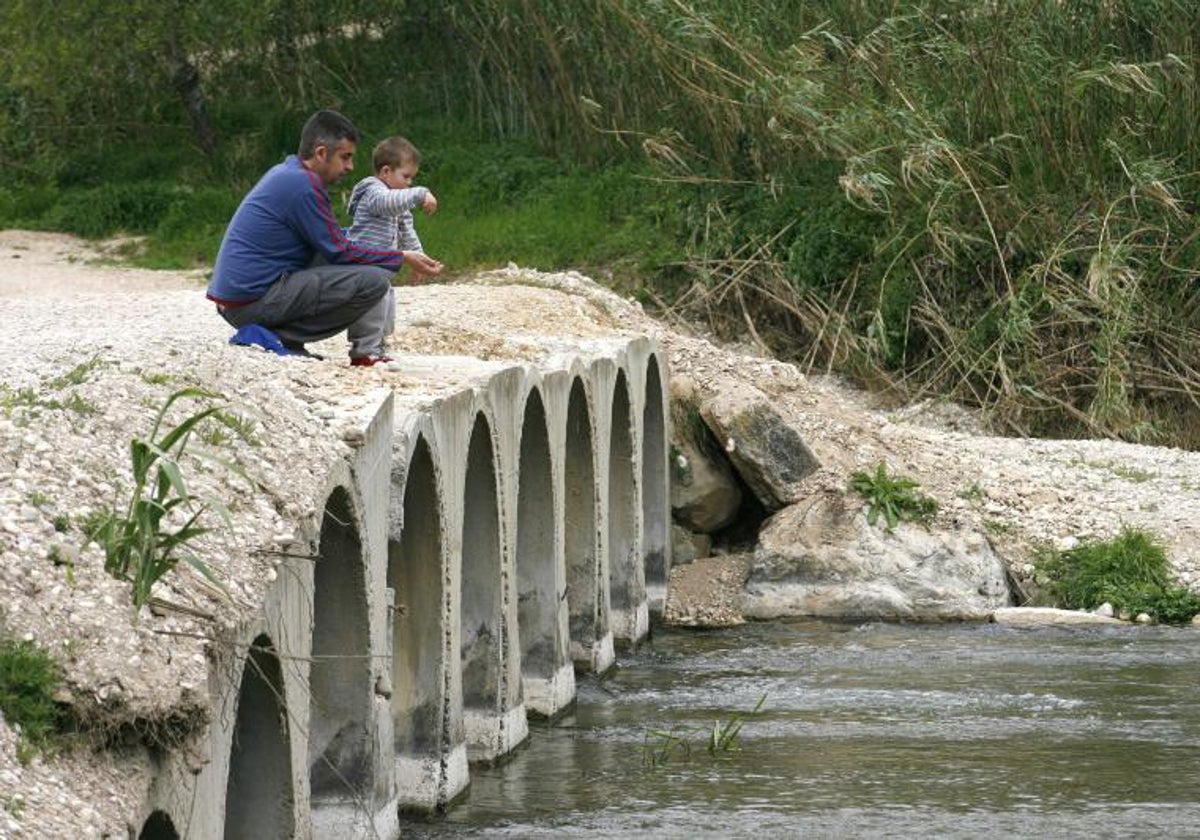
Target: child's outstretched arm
385 202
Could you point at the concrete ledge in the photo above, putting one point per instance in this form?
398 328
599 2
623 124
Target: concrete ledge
1050 617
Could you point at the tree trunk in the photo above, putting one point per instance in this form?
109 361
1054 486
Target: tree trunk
186 80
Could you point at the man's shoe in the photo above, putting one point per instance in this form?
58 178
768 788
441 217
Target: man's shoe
295 348
369 361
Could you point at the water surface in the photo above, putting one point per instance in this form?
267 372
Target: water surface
866 731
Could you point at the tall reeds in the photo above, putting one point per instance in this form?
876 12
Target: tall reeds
992 201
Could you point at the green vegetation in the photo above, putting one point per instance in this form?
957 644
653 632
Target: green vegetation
140 543
1130 572
33 402
893 496
659 745
28 679
992 202
228 426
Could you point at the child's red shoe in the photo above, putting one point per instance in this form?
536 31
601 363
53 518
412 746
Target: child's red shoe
368 361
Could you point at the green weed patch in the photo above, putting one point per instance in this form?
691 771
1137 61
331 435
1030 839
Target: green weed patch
28 679
893 497
1130 572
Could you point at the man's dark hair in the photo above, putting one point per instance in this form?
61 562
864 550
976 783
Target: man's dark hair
325 128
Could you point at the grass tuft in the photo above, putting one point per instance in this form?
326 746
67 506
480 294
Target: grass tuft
28 679
1130 572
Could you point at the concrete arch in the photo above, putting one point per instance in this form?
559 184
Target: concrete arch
259 799
340 676
587 608
158 826
537 590
477 544
483 636
627 587
416 576
656 504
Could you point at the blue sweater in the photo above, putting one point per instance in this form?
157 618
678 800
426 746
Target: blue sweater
281 225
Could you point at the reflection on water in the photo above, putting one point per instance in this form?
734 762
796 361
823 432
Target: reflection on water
869 731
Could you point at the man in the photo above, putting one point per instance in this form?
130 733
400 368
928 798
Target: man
285 263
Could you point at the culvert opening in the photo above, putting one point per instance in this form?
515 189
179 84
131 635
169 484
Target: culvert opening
655 507
339 746
741 535
627 587
585 608
481 632
158 826
259 800
537 604
415 573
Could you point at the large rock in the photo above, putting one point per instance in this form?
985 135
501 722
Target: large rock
705 496
767 453
821 558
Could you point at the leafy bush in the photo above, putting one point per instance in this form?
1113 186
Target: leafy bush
28 679
26 206
896 498
1129 571
129 208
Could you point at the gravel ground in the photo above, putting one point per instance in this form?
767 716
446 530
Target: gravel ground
91 349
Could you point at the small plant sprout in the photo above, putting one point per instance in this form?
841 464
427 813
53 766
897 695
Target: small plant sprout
894 497
659 745
724 737
228 425
140 545
76 375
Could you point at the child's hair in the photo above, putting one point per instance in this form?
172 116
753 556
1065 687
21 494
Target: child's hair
394 152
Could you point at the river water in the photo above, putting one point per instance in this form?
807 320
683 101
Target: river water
865 731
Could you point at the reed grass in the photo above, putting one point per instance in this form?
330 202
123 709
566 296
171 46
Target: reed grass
1024 173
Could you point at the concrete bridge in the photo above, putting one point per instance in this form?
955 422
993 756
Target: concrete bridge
476 551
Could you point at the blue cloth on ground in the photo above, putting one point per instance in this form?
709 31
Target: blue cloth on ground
261 336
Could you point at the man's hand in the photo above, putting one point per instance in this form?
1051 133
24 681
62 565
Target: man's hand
429 205
422 264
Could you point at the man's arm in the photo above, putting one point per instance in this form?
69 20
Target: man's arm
314 218
422 264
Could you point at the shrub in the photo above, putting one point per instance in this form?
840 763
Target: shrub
131 208
1129 571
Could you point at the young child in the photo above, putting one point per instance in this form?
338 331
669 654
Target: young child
382 208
